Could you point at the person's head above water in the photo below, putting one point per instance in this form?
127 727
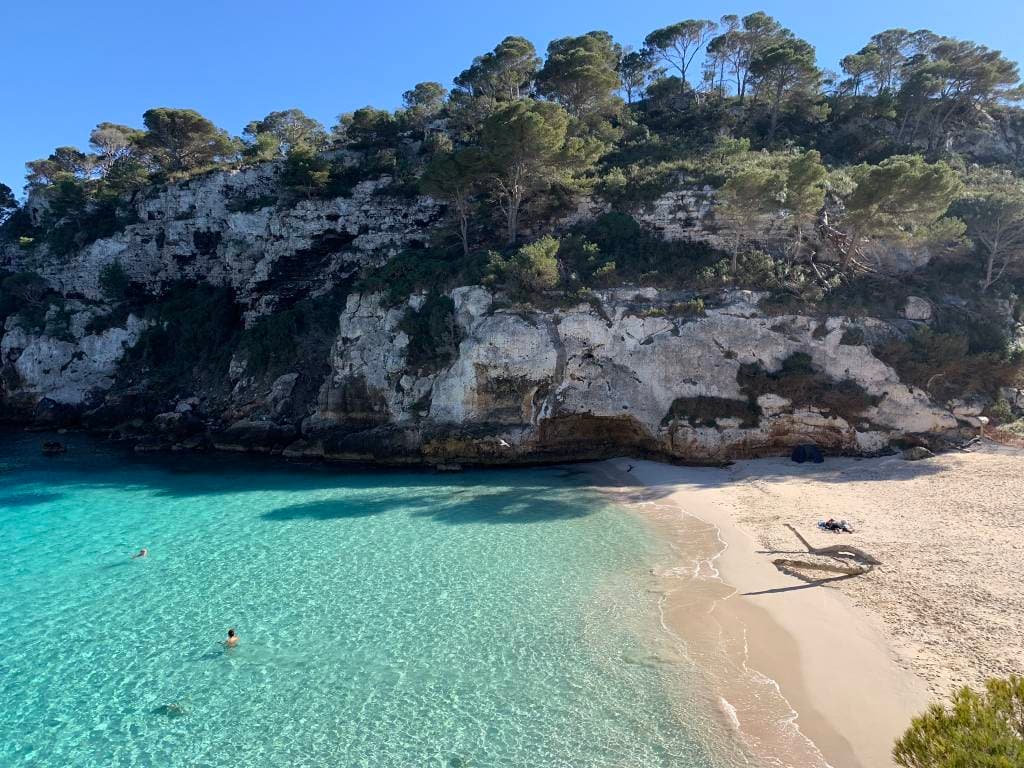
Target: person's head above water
231 633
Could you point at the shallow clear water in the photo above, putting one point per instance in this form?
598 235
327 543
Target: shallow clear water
499 618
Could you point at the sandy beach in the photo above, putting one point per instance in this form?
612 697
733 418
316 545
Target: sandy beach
854 656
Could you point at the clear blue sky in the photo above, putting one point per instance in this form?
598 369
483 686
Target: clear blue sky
68 64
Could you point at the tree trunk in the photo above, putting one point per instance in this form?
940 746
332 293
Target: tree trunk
514 200
462 206
989 264
840 550
776 102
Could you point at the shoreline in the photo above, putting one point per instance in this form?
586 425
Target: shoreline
832 666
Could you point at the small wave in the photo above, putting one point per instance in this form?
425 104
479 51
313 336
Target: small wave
730 712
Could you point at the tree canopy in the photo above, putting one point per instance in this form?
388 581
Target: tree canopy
286 130
581 73
504 74
182 140
526 147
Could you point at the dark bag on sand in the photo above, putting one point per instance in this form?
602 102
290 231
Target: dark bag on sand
804 453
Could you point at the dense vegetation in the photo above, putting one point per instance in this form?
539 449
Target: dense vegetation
982 730
917 145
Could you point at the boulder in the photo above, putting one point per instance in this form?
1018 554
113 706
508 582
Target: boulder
917 453
917 309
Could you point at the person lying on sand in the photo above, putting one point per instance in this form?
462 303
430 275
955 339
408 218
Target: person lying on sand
141 553
835 526
232 640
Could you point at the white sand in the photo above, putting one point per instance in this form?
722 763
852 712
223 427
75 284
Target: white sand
857 657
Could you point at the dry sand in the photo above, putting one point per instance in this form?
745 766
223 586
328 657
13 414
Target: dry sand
857 656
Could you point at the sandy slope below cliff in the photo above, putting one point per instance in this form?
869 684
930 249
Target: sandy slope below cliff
949 531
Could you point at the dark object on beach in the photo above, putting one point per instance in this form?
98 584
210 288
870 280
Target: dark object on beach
917 453
835 526
804 453
53 448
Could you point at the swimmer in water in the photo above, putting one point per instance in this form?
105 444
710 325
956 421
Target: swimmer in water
232 640
141 553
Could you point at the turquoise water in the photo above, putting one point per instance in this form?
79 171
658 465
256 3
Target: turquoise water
498 618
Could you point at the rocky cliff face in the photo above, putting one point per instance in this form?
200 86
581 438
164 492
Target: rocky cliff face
224 229
614 376
631 371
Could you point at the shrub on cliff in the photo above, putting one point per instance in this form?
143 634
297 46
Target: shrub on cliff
27 295
194 331
804 386
433 334
975 730
305 173
114 281
528 272
297 339
948 363
428 269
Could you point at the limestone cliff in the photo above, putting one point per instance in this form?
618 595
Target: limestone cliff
628 371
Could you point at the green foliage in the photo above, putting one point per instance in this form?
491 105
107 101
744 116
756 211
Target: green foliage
635 71
805 194
64 164
902 198
455 177
368 128
689 308
73 220
181 141
948 363
677 44
194 333
422 104
785 70
993 212
504 74
8 203
114 281
25 294
749 194
615 248
297 339
530 271
631 186
279 133
739 44
526 145
1001 411
581 73
435 270
305 172
116 147
433 334
980 730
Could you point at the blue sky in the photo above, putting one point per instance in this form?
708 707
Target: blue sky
67 65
